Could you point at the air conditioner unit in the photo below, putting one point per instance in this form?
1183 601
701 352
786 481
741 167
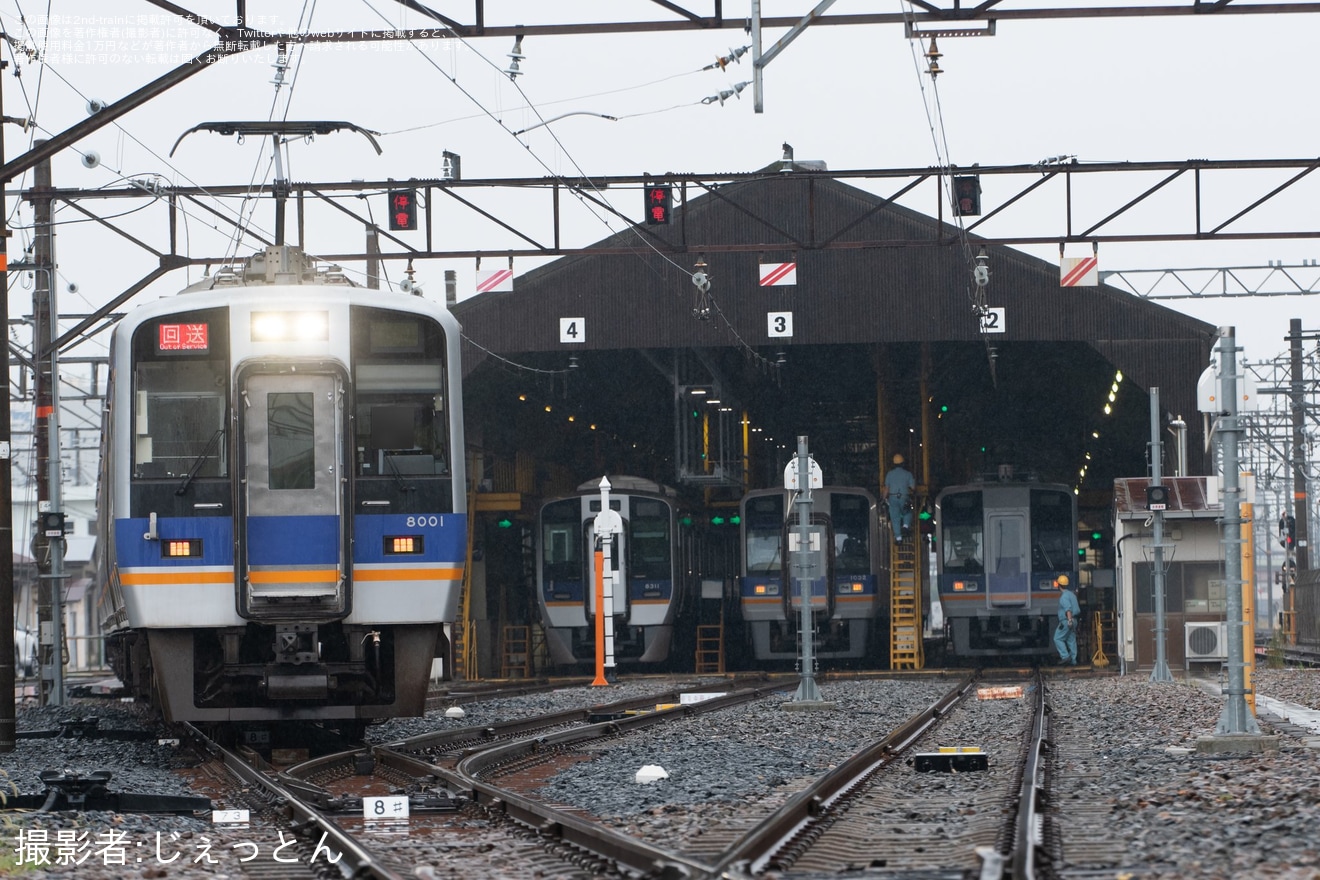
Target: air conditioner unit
1206 641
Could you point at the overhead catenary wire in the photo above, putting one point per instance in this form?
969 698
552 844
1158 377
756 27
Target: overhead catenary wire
939 138
574 188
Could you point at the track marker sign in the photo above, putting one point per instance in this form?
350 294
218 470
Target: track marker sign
1079 271
494 281
778 274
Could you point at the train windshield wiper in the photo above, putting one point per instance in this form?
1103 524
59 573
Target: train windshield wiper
201 460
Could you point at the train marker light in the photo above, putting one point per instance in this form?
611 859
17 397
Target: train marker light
403 545
177 549
403 209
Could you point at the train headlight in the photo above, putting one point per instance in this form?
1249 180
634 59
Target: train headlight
403 545
290 326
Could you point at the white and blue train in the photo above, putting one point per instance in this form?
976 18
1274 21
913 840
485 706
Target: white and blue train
849 595
283 529
1002 547
648 556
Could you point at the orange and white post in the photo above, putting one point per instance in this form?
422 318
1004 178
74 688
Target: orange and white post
608 524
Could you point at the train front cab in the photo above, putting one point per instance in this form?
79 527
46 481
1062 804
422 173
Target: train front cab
644 560
315 585
845 617
1001 549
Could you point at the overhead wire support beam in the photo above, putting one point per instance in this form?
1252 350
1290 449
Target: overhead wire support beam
760 59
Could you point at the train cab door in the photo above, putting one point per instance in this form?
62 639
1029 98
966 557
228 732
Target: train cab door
293 533
1008 570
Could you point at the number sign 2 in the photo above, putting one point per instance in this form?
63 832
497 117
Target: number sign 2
992 321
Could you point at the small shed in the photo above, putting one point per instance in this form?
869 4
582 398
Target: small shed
1195 594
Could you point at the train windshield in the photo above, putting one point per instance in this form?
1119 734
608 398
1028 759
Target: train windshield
399 373
561 541
763 522
962 533
1053 531
179 419
851 515
648 547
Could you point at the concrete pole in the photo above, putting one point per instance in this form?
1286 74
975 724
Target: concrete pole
1236 717
1161 671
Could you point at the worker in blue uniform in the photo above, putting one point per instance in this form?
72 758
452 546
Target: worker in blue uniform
899 484
1065 634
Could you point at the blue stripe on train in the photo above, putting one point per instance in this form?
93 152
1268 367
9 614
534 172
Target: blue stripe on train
293 540
216 533
289 540
444 536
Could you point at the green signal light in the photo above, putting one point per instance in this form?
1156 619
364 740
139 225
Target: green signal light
717 520
944 408
925 515
735 520
505 523
685 521
1096 536
1081 552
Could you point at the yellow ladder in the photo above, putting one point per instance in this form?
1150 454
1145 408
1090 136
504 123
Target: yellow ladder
517 654
905 646
464 630
710 648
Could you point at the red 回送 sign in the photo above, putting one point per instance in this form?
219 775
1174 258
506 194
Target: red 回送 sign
184 337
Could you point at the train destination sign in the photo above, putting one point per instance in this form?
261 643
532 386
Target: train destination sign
184 337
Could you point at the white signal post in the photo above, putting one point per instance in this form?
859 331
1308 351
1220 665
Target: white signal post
608 524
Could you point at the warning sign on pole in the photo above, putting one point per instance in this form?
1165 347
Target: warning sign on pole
778 274
494 281
1079 271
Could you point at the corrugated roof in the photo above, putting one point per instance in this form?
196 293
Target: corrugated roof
1187 496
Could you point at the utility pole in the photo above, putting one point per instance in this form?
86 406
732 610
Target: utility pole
1297 397
1236 717
47 550
8 718
1161 670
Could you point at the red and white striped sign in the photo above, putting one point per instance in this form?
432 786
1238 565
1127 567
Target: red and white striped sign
494 281
777 274
1079 271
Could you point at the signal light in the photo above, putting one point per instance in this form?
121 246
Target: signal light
659 203
967 196
52 524
505 523
403 209
1287 531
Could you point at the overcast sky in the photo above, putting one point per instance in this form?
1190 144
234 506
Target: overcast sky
1137 89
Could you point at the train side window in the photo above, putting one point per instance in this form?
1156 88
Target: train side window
179 420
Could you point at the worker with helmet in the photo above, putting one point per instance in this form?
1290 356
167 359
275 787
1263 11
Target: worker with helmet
1065 634
899 484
